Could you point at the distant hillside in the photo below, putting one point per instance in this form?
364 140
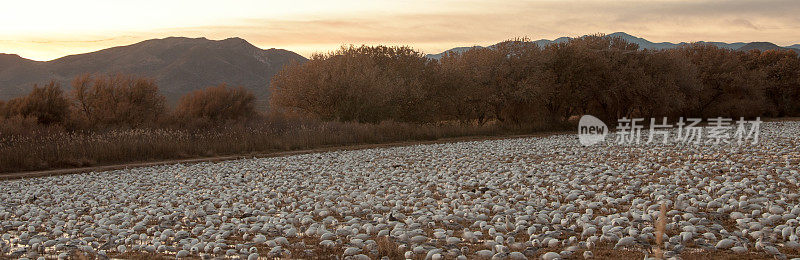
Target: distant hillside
456 50
765 46
178 65
643 44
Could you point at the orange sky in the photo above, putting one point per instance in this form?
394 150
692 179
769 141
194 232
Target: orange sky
44 30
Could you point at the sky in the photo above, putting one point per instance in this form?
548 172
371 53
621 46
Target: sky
45 30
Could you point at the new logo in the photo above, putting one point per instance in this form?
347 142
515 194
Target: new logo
591 130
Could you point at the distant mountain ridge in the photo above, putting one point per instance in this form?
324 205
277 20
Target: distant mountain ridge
178 65
765 46
643 44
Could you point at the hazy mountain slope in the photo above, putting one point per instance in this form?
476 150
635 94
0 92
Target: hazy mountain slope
764 46
15 69
456 50
643 44
179 65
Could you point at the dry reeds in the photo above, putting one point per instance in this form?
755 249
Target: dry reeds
661 226
40 150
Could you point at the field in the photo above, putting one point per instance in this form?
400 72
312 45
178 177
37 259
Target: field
523 198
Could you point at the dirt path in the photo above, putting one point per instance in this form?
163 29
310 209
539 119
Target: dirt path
34 174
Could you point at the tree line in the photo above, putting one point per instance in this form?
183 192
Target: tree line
112 101
517 82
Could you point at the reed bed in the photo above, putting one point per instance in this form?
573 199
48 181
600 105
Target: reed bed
68 149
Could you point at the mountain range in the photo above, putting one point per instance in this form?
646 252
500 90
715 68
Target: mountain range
645 44
180 65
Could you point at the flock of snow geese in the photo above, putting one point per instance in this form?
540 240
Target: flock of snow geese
524 198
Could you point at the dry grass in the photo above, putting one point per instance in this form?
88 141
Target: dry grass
386 247
61 149
660 230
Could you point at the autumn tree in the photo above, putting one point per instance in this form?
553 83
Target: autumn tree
217 104
117 100
781 72
728 87
467 77
491 83
47 105
593 74
364 84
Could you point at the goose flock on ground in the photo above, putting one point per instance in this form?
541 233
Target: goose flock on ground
523 198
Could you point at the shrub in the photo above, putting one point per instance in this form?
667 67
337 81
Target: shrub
46 105
117 100
216 105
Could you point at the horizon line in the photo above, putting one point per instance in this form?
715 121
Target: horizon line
345 44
